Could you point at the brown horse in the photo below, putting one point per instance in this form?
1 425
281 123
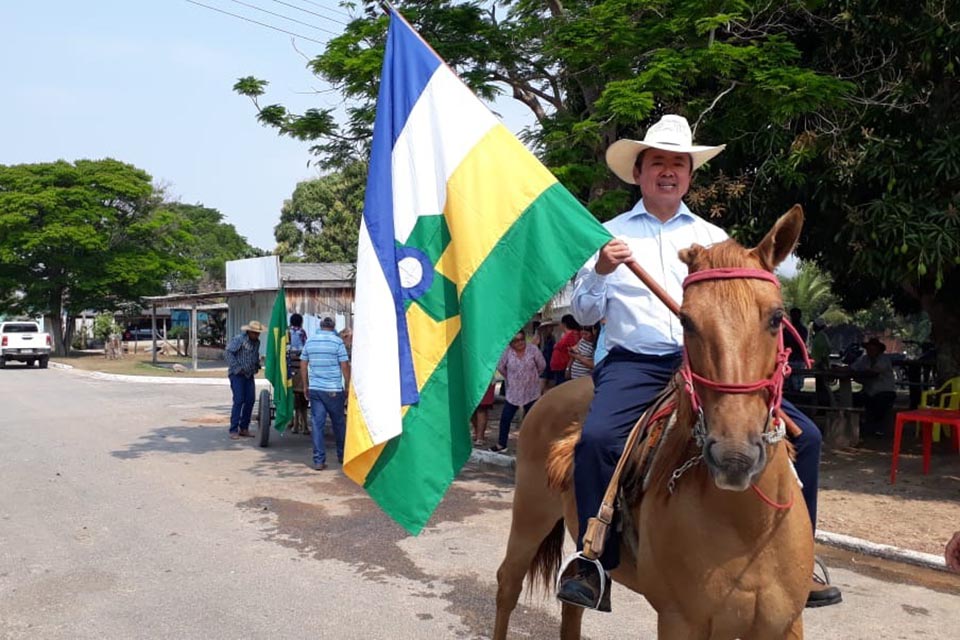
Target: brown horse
715 560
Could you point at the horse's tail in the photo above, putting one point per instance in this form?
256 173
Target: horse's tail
545 564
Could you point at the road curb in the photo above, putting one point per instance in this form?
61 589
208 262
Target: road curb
59 365
884 551
116 377
481 457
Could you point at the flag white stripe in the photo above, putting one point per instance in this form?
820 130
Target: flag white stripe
375 349
443 126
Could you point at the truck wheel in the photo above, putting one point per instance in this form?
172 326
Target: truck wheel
30 362
3 362
263 418
43 362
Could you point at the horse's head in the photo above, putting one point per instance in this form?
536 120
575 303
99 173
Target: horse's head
731 325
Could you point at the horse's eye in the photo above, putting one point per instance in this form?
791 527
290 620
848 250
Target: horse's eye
776 319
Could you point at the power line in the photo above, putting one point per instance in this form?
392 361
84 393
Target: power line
280 15
313 13
262 24
343 13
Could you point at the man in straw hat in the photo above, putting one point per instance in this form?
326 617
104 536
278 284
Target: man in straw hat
243 361
643 339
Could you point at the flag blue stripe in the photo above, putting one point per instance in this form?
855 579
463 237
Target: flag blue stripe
408 65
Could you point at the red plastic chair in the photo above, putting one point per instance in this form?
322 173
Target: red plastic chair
926 419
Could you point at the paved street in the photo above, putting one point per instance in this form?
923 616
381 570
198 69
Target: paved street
125 512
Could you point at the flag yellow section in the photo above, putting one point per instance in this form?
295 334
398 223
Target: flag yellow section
486 194
429 341
359 452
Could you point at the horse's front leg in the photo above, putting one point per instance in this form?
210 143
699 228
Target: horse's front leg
673 626
796 629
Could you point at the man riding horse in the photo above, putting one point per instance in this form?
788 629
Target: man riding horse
645 339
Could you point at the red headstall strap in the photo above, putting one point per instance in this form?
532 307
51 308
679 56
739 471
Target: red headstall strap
773 384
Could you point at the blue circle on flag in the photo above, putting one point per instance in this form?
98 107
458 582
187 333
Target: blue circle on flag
416 272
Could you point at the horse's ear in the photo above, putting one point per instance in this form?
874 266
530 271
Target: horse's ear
781 239
689 256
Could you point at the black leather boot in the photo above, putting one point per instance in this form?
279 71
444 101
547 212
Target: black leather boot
581 586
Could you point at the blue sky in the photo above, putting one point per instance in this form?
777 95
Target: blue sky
148 82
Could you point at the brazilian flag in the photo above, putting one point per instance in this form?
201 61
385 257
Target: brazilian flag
277 339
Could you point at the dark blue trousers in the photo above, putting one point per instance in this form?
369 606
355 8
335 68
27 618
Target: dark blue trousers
244 393
625 385
506 417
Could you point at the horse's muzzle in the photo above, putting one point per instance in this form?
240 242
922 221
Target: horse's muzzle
734 464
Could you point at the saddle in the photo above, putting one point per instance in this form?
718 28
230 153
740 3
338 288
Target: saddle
638 454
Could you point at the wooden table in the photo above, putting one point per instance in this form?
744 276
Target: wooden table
843 398
838 419
926 418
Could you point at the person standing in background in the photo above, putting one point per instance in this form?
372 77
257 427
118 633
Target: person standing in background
242 356
560 357
520 367
581 357
325 366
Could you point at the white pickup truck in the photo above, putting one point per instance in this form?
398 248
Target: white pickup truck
24 342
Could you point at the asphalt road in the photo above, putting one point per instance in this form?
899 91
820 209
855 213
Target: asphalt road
125 512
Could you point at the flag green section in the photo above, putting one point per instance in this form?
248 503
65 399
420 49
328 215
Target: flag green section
553 238
276 365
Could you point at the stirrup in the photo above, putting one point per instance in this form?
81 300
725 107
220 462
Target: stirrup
818 563
578 555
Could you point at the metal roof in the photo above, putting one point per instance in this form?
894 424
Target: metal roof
296 275
329 273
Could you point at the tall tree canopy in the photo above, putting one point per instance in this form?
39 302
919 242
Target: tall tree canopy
321 220
842 105
84 235
214 243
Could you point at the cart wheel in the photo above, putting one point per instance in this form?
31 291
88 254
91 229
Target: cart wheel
264 417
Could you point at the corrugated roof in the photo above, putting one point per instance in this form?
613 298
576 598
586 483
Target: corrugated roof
294 272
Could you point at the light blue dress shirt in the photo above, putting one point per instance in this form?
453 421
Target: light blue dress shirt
636 319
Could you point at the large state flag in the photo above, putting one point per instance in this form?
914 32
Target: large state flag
464 237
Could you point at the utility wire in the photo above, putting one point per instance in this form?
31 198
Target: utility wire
262 24
316 4
313 13
280 15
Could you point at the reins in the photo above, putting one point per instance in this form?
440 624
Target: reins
775 429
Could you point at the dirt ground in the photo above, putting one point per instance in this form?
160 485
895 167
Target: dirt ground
919 512
856 498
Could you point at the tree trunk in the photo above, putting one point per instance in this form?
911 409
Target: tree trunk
68 333
944 332
55 322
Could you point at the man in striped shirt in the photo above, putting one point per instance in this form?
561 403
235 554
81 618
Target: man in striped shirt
325 370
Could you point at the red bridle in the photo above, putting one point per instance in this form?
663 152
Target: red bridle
773 385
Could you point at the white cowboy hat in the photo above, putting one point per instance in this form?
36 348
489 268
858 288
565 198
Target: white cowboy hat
254 326
670 133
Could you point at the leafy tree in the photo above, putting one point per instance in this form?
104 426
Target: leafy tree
215 243
321 220
84 235
881 178
809 290
846 106
104 325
